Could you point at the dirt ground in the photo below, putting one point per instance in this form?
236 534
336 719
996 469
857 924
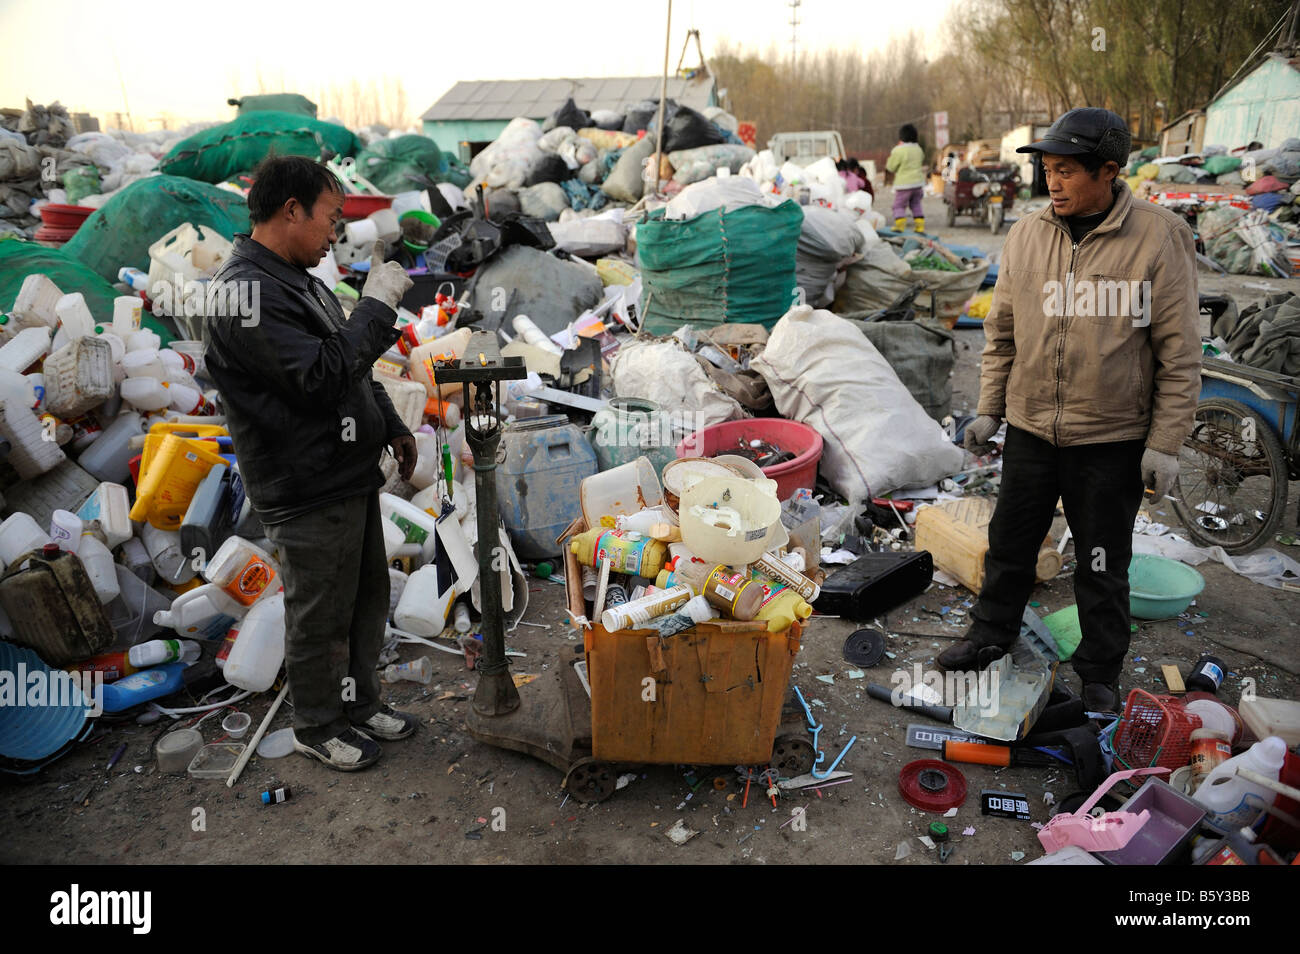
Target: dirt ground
434 797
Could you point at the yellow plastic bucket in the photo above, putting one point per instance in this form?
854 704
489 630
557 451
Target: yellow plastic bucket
176 458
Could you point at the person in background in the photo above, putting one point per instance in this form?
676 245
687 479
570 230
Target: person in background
905 168
309 424
1093 359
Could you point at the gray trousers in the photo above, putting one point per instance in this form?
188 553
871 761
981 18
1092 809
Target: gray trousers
336 605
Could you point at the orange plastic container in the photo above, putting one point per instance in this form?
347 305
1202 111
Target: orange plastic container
714 698
175 461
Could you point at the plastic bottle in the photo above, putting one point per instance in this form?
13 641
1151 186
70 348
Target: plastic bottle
155 652
428 463
425 602
135 558
1224 792
145 393
109 456
98 561
65 530
258 652
114 666
142 364
143 340
418 670
75 319
227 644
142 686
460 619
781 606
630 614
31 453
109 506
735 594
525 328
777 569
127 311
8 328
164 547
695 610
243 570
25 348
36 301
652 523
138 280
205 612
627 552
18 534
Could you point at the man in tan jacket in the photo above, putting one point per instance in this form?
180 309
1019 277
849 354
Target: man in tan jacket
1093 360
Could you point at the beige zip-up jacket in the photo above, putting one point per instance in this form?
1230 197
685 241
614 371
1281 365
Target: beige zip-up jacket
1098 341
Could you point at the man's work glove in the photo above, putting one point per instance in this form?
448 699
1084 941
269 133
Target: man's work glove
388 281
405 454
979 434
1159 471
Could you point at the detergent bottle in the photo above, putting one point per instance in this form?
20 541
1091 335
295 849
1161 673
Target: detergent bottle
1225 793
626 551
144 685
114 666
735 594
258 649
781 605
155 652
638 612
244 571
205 612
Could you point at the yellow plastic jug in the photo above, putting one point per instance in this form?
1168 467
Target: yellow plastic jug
174 462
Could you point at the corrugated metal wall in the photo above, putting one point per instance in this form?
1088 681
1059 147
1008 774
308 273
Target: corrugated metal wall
1264 106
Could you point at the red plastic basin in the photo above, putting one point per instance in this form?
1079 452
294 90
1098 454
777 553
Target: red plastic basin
59 216
359 206
800 439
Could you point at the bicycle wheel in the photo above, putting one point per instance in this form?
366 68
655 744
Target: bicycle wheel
1232 482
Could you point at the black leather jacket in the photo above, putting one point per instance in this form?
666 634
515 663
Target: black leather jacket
307 420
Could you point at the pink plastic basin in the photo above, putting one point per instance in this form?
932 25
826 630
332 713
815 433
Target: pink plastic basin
800 439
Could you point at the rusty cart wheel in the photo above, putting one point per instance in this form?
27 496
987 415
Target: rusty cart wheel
792 755
590 781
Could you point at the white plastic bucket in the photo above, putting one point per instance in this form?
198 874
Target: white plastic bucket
626 489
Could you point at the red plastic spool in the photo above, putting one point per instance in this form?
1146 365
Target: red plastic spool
931 785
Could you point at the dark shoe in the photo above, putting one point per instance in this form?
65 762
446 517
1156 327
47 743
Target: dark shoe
967 656
1100 697
389 724
348 751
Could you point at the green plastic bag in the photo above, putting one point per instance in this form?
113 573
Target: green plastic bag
294 103
81 182
399 165
216 154
719 267
20 258
1220 165
121 232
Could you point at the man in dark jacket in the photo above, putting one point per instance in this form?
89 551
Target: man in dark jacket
309 425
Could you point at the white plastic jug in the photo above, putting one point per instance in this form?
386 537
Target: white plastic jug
127 310
1224 792
36 302
142 364
25 348
425 602
109 504
101 569
245 571
396 584
143 340
30 453
145 393
164 546
258 652
75 318
418 527
18 534
205 612
108 458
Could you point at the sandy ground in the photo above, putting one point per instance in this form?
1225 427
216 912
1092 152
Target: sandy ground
435 797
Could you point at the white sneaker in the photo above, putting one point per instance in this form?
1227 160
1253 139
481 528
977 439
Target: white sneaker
389 724
348 751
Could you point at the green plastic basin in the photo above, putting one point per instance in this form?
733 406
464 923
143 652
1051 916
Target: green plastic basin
1160 587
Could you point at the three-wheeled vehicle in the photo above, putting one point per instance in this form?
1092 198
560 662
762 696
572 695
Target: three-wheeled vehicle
985 193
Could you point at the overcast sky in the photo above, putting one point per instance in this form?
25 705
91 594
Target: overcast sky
183 59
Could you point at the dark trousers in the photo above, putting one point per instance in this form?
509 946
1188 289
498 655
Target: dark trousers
1100 486
336 605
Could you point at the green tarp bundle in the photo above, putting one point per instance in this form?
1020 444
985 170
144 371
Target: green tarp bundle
19 258
216 154
736 266
398 165
121 232
277 103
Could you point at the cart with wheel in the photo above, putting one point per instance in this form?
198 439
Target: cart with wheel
985 193
1243 449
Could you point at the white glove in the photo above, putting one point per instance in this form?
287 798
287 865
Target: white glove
388 281
1159 471
979 433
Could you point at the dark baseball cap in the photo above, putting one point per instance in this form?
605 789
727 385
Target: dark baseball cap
1088 129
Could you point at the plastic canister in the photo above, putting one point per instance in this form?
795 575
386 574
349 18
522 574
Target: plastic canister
65 530
108 458
1225 793
79 376
25 348
418 526
75 318
109 504
205 612
258 651
99 565
633 427
425 602
781 606
142 686
30 453
244 571
36 302
546 461
127 310
18 534
164 547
